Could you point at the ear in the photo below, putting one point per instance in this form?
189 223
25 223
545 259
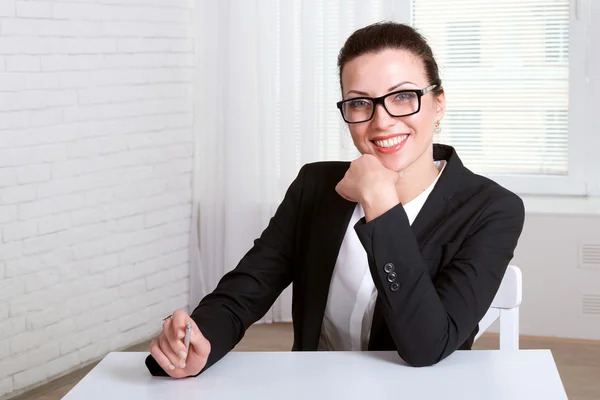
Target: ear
440 106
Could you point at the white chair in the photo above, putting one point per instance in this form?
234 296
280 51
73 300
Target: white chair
506 308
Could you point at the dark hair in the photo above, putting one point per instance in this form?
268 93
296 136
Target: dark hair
390 35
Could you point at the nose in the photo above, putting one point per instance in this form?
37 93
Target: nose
382 119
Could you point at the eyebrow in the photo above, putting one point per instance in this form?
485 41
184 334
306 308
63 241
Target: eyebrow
389 90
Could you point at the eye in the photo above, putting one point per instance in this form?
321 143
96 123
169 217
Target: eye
404 97
358 103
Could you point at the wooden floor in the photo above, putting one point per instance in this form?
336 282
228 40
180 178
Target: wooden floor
578 361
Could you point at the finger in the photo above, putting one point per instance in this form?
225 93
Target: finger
168 351
160 357
180 320
176 344
340 187
175 332
340 191
168 329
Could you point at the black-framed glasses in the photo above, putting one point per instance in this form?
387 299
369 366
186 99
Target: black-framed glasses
400 103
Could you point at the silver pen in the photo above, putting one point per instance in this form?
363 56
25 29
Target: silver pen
188 335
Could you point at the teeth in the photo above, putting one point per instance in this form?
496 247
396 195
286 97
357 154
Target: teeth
391 142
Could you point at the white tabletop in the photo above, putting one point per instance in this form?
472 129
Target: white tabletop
475 374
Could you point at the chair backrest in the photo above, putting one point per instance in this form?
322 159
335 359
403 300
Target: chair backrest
506 308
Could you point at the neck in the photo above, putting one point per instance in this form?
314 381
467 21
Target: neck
415 179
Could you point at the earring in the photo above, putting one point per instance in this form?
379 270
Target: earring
437 129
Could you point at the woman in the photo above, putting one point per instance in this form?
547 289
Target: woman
403 249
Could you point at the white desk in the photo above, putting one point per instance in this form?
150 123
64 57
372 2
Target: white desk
475 374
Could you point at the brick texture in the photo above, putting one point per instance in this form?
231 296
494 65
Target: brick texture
96 121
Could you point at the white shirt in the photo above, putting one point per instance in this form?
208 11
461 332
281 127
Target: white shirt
352 293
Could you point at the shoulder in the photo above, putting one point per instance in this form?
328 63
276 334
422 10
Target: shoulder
325 169
316 180
493 198
460 187
323 174
488 187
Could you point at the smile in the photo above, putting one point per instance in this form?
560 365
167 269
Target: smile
390 142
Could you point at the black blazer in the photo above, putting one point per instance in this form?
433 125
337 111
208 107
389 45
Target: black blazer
435 279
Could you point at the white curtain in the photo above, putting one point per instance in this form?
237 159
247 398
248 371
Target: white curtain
266 88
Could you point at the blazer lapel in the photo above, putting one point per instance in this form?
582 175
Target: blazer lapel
438 203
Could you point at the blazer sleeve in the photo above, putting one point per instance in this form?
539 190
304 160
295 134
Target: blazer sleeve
429 319
246 293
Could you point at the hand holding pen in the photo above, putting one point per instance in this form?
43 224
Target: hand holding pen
180 349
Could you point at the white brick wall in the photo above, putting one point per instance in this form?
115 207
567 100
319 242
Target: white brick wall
96 155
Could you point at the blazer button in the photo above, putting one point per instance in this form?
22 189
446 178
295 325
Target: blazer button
394 287
389 267
391 277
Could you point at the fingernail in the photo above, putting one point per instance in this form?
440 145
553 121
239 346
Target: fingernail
171 367
182 355
182 365
180 335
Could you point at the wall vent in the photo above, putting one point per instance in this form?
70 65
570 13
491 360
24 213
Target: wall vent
590 304
589 255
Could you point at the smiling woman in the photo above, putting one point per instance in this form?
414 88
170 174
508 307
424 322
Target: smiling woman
392 65
401 249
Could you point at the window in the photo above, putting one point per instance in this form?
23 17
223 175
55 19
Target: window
514 72
507 67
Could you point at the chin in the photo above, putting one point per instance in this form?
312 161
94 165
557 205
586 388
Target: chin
396 166
399 160
395 161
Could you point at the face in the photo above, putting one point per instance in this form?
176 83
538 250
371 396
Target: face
400 143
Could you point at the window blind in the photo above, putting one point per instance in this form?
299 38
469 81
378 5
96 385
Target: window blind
306 40
504 65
